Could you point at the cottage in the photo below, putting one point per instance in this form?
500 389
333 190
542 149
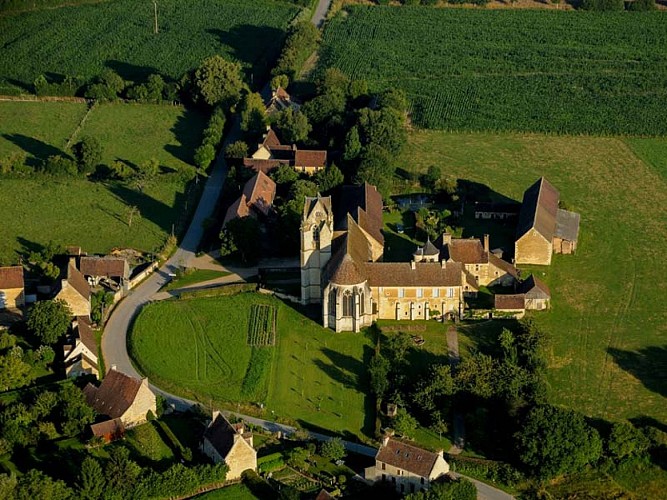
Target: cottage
280 101
257 198
75 291
271 154
121 396
536 293
97 268
409 468
109 430
511 304
12 288
80 353
543 228
230 444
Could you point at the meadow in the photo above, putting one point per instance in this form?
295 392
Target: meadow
76 211
511 70
607 320
82 40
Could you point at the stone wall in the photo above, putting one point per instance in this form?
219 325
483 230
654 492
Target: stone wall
533 248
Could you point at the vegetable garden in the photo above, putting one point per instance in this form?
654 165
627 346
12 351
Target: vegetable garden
557 72
262 325
83 40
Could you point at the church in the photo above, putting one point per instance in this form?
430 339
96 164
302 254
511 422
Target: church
342 269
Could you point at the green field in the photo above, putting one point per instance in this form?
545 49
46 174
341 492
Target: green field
198 348
234 492
75 211
521 70
83 40
608 320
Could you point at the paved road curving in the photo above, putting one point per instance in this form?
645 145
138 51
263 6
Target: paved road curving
320 12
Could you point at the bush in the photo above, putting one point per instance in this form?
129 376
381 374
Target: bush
59 165
602 5
641 5
301 41
333 449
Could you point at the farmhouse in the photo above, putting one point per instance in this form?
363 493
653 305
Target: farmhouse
257 198
410 469
230 444
271 154
75 291
123 397
12 288
341 248
543 228
98 268
80 353
280 101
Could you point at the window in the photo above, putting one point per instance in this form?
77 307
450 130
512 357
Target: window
412 488
420 293
384 477
450 293
362 298
332 302
384 466
436 292
401 292
348 304
422 479
316 235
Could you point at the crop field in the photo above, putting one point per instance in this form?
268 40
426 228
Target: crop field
608 321
515 70
75 211
262 325
83 40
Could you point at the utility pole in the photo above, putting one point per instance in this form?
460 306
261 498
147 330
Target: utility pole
155 10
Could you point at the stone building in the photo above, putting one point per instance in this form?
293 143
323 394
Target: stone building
543 228
80 353
96 268
270 154
341 251
12 288
75 291
256 199
410 469
121 396
230 444
536 293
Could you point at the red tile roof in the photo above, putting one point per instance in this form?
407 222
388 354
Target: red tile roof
112 429
467 251
401 274
512 302
260 191
271 139
310 158
504 265
11 277
85 331
407 457
114 396
110 267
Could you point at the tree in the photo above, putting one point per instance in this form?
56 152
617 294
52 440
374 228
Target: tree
352 144
204 155
384 127
238 149
90 485
298 457
293 126
49 320
299 190
404 423
432 176
132 213
253 115
146 172
430 390
75 413
44 404
281 81
376 167
35 484
333 449
217 82
452 489
284 174
476 375
88 154
625 441
112 80
14 372
329 178
59 165
554 441
397 347
394 99
378 370
120 472
242 234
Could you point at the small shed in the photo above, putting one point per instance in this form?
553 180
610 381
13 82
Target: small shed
536 292
567 232
109 430
511 304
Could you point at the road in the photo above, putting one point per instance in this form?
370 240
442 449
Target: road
320 12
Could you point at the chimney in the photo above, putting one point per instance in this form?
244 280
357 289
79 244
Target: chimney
385 441
486 243
446 238
113 367
413 265
443 264
441 453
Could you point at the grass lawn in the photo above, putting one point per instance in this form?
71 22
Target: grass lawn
608 321
76 211
195 276
146 442
197 348
234 492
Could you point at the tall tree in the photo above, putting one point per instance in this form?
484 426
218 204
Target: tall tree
88 154
218 82
253 115
90 485
293 126
49 320
378 370
329 178
14 372
75 413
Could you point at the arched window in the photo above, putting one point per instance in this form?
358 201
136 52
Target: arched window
362 300
332 301
348 304
316 235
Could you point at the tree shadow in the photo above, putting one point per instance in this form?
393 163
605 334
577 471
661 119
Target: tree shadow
187 135
151 209
648 365
28 247
131 72
38 150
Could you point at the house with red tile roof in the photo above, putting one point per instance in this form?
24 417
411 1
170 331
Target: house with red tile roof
12 288
256 199
75 291
271 154
408 468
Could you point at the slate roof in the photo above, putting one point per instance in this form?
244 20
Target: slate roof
511 302
401 274
76 280
11 277
567 225
221 435
539 209
407 457
110 267
534 288
114 396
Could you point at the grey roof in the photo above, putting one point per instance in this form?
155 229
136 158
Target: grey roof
534 288
538 210
567 225
430 249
